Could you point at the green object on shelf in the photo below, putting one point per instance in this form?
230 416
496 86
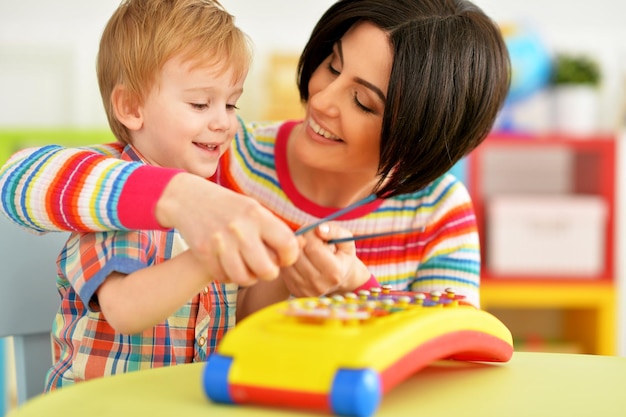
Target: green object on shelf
575 70
14 139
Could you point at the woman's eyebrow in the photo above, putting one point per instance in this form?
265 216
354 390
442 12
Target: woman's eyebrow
358 80
372 87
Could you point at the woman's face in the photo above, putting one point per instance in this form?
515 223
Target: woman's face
346 103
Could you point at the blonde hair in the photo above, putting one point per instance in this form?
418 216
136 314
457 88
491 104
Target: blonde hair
142 35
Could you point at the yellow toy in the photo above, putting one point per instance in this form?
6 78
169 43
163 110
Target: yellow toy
341 354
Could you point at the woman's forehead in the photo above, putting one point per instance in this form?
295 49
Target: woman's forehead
366 50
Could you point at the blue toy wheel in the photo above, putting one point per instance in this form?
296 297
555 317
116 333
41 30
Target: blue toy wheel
355 392
215 378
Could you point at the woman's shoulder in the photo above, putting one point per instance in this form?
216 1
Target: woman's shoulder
450 179
264 127
443 188
110 149
60 153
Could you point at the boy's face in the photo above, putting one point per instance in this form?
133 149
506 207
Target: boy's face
188 117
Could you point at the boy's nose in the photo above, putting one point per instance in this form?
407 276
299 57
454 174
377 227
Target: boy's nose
220 119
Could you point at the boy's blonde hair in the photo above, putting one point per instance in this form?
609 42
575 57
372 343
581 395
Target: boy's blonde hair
142 35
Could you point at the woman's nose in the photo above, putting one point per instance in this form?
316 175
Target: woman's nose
327 99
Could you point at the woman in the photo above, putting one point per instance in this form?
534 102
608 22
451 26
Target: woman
396 92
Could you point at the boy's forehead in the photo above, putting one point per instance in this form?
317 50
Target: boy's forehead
197 74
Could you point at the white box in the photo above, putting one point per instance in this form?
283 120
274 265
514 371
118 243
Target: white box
522 169
546 235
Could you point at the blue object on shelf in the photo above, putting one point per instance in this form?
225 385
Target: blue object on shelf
531 69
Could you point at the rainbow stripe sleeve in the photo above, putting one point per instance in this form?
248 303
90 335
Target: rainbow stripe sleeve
53 188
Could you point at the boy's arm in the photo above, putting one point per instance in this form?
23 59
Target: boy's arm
138 301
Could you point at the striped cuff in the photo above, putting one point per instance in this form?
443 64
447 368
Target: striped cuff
139 197
369 284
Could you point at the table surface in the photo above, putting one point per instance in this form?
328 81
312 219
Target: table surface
530 385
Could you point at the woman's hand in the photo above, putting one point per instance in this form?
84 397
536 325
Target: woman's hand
236 238
324 268
321 269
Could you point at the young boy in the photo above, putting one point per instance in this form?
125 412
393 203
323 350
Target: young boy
170 74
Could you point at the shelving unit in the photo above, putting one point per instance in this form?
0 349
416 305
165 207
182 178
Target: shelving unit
584 305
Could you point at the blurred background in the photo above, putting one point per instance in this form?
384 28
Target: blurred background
48 48
48 93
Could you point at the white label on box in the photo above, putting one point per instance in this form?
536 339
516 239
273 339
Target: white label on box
546 235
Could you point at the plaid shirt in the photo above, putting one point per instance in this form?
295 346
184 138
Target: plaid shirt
86 346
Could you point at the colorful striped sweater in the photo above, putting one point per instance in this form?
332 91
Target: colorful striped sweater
53 188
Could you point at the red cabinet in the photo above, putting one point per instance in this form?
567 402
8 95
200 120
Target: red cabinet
541 168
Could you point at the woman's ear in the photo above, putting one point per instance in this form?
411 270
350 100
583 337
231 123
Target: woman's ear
126 108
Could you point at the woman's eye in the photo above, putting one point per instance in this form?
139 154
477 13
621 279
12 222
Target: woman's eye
361 106
332 70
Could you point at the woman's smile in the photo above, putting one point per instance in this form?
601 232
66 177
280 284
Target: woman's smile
318 130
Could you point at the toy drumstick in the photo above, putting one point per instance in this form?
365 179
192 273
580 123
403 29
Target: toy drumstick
375 235
336 214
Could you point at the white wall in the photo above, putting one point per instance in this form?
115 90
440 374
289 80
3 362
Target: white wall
47 61
48 49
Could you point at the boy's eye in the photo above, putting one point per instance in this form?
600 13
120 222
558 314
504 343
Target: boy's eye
203 106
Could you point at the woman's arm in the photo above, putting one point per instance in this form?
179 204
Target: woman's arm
60 189
451 257
80 189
